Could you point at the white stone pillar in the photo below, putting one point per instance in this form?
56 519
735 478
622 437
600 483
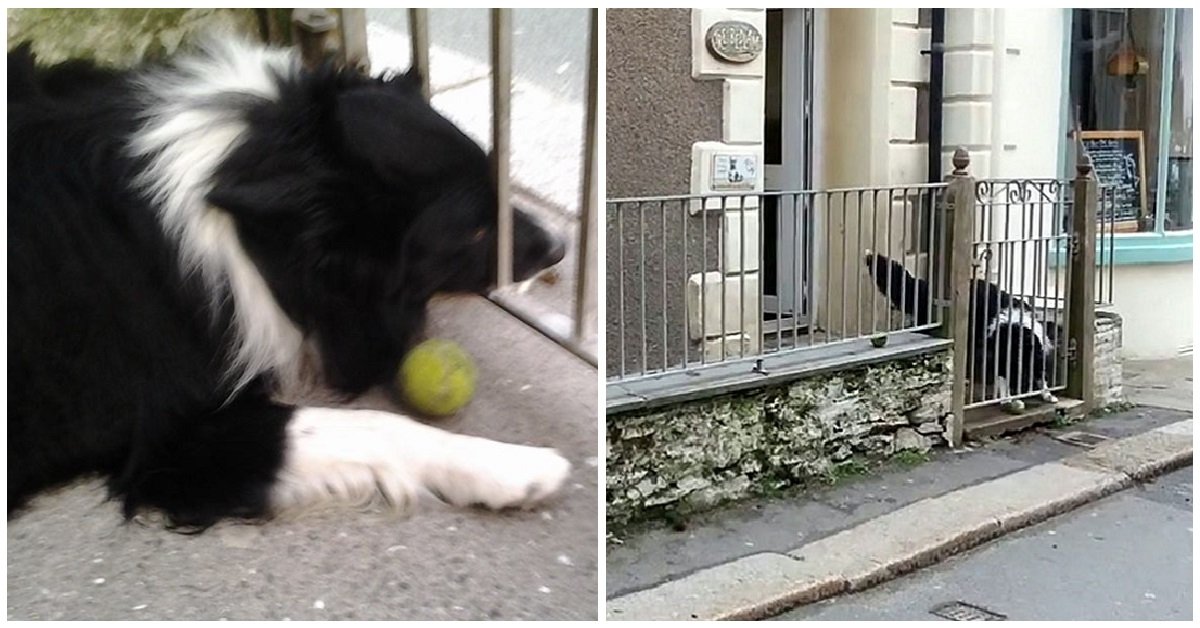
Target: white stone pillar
723 304
969 88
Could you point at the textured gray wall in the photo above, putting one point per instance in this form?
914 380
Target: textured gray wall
636 262
655 112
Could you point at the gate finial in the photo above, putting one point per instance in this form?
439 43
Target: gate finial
1083 165
961 160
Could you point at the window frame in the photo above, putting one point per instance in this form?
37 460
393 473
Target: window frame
1149 247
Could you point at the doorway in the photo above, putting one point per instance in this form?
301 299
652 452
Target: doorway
787 152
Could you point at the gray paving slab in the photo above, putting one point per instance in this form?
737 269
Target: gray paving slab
71 556
1163 383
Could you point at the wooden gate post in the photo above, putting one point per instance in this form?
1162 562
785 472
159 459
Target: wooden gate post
1081 298
959 229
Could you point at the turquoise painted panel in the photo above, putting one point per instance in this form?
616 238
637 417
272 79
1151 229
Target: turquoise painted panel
1147 248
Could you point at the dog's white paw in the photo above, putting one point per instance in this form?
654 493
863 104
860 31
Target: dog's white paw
498 475
1049 397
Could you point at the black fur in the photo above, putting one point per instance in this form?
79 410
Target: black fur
355 200
1005 350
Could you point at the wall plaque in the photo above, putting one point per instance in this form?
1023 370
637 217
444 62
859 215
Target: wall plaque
735 42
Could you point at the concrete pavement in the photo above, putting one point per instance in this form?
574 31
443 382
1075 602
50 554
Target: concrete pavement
72 557
1160 383
760 558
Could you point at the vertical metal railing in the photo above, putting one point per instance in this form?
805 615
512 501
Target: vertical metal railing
418 31
501 29
583 309
1043 261
1106 233
686 274
1017 297
585 286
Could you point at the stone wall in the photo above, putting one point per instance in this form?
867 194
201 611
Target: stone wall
1108 378
697 454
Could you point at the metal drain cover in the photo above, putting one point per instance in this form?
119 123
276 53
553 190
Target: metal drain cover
1087 440
961 611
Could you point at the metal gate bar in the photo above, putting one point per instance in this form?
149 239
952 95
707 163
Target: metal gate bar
687 262
583 311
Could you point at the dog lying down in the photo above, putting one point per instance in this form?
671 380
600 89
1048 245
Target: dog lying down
180 235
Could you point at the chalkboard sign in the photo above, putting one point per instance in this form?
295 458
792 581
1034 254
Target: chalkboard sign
1119 160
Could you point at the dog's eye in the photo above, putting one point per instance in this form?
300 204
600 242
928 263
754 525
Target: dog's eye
479 235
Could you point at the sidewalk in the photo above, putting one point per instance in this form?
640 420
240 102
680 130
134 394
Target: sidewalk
761 557
1160 383
72 557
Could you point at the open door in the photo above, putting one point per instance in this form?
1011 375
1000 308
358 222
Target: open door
787 137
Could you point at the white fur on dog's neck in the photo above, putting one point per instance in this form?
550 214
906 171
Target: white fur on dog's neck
192 123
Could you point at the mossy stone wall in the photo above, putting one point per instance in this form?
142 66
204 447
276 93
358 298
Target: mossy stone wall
694 455
1109 377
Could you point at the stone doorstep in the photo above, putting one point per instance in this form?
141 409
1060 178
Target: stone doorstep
762 585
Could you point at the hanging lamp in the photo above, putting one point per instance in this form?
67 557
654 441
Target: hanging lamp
1126 61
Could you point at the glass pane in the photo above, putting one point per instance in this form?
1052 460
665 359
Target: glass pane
1116 86
1179 168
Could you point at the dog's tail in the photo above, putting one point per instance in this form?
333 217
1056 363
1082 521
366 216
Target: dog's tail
908 294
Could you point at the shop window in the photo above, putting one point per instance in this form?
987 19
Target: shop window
1131 77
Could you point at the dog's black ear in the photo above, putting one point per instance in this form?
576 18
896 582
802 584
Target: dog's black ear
403 139
410 79
21 63
22 51
261 197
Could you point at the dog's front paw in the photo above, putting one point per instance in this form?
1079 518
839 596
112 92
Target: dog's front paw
499 475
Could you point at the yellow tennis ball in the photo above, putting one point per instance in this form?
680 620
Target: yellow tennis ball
437 377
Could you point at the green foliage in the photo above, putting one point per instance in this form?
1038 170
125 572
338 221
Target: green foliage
911 458
120 37
849 469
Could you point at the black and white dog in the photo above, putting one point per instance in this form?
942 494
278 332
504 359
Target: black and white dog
1009 347
180 234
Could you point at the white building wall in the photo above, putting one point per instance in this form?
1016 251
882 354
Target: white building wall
1155 304
735 286
1004 90
1005 85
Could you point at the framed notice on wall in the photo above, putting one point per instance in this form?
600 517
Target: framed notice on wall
1119 161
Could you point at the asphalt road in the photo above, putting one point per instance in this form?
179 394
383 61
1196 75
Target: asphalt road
1127 557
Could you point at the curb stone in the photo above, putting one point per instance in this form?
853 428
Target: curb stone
765 584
